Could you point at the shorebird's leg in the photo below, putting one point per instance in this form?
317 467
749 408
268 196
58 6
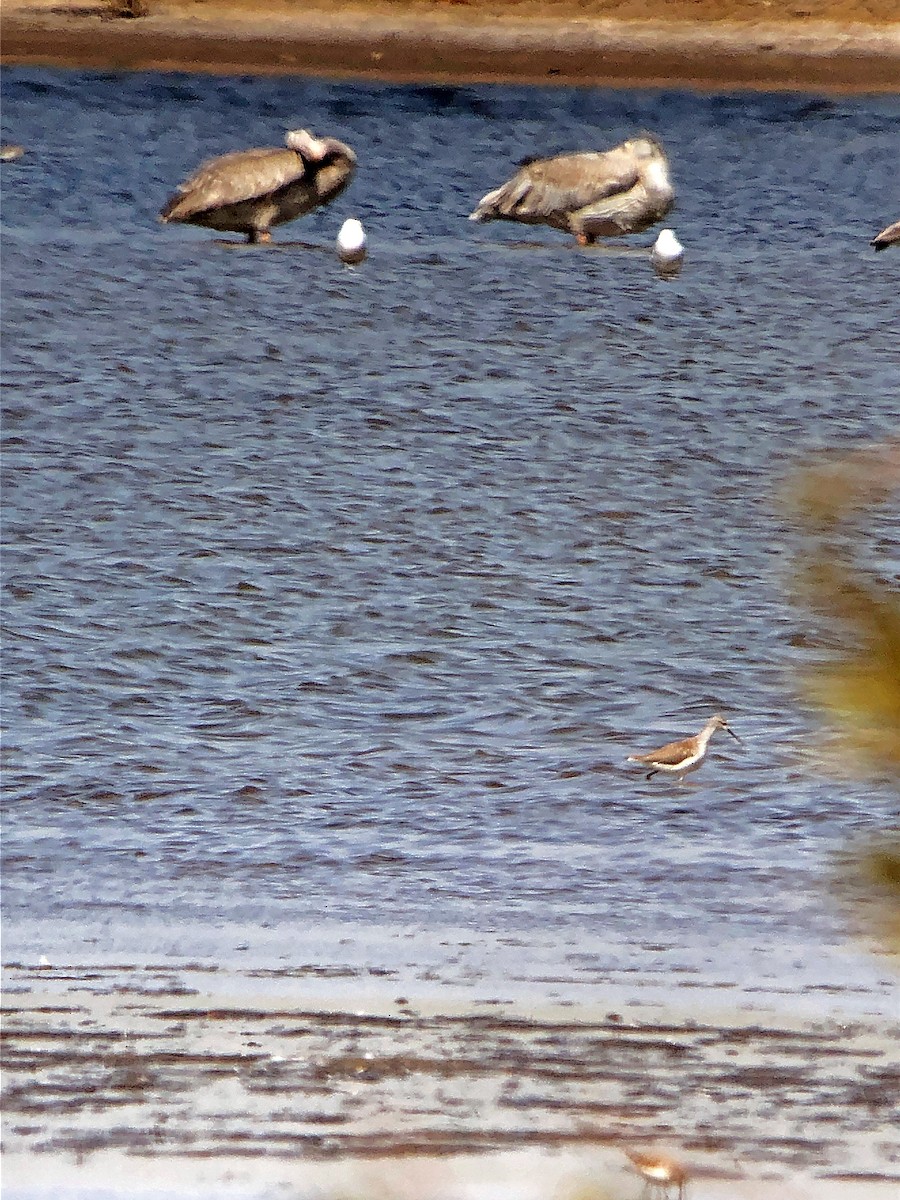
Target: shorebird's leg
255 236
650 774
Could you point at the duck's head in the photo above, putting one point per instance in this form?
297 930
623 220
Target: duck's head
318 150
646 146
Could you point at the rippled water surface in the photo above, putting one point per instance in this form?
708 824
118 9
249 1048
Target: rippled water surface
334 599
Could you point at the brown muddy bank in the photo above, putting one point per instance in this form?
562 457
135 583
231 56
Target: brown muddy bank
830 45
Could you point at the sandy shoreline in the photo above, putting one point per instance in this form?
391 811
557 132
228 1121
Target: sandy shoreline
553 44
214 1082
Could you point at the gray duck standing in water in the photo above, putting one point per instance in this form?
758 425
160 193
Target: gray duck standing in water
887 237
252 190
592 194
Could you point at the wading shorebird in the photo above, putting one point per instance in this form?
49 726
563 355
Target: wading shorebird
678 758
252 190
592 194
887 237
659 1174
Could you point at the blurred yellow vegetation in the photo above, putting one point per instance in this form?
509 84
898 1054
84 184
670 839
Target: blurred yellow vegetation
839 502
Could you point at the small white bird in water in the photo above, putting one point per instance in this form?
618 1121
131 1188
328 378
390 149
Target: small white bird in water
351 241
667 253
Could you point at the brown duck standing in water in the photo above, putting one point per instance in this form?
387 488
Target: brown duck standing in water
591 194
252 190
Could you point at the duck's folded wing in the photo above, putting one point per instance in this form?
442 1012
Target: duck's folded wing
245 175
568 183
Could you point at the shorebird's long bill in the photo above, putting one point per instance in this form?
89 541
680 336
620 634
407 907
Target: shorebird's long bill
733 734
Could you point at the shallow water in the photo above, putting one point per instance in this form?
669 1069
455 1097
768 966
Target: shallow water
334 599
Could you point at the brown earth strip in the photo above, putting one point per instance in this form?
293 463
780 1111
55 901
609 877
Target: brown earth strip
834 46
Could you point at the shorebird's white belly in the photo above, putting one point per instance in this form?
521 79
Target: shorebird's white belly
686 764
661 1172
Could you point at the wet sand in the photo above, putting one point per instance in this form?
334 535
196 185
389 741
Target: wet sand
209 1081
828 45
